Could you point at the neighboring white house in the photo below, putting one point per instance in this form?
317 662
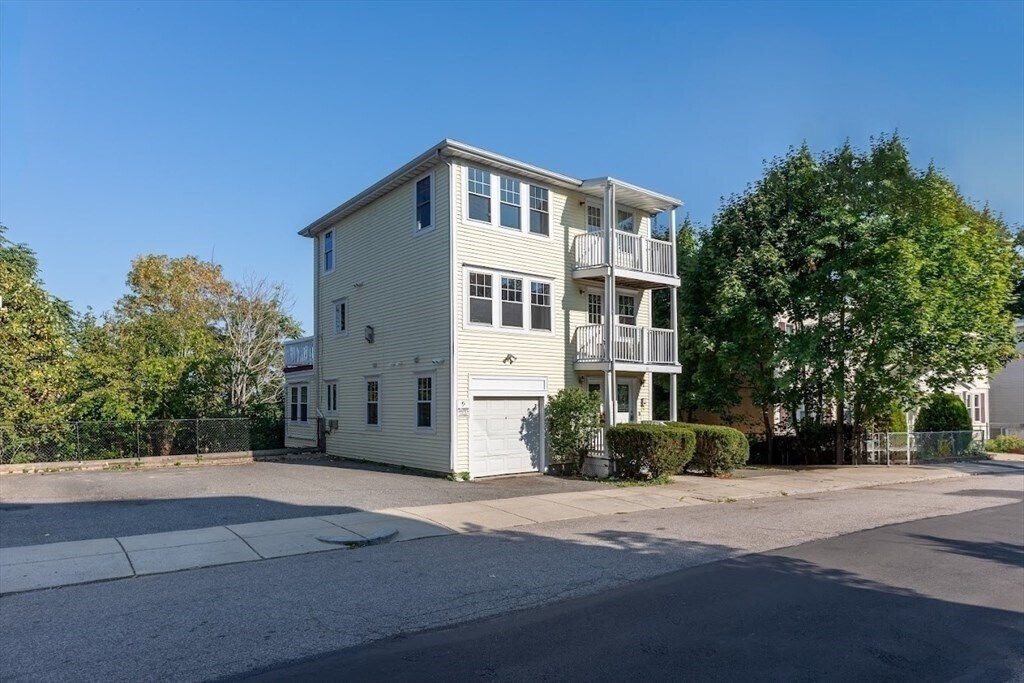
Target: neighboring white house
455 295
1007 393
299 375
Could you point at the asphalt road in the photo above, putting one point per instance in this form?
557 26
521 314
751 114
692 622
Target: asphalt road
937 599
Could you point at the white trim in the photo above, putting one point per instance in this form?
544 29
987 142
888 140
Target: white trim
334 320
334 251
417 376
515 386
366 402
495 323
465 197
453 323
416 230
298 387
524 204
327 403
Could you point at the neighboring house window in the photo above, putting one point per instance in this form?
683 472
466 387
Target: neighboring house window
594 218
332 396
340 316
627 309
539 213
425 402
510 204
625 221
480 306
595 309
540 306
299 404
479 185
511 302
373 402
424 205
329 251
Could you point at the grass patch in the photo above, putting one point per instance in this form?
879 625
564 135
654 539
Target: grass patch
624 483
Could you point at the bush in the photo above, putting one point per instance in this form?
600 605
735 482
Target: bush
574 416
1005 444
719 450
647 451
943 413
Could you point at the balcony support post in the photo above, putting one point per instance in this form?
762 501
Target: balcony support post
608 215
673 385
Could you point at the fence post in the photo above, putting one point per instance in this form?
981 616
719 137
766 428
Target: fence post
138 440
78 443
197 436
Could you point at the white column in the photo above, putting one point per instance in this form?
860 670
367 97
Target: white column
608 216
673 385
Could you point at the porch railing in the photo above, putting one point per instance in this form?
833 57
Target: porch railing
646 345
632 252
298 352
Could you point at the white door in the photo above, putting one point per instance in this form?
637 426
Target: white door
505 436
625 401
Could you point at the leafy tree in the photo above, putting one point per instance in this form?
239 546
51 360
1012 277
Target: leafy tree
943 413
686 250
35 338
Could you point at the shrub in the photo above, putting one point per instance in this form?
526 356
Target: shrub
642 451
719 450
574 416
943 413
1005 444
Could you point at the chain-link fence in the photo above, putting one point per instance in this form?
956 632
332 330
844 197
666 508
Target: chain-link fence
907 448
76 441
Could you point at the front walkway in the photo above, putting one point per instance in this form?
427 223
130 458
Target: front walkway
36 567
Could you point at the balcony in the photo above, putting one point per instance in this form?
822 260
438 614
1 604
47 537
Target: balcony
637 349
298 354
640 262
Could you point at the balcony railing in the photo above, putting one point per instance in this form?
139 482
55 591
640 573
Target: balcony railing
298 353
644 345
632 252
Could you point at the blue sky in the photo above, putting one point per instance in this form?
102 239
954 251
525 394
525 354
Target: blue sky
221 129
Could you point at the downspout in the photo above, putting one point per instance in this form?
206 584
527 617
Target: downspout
610 306
317 336
453 388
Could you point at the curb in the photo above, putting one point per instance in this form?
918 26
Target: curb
378 537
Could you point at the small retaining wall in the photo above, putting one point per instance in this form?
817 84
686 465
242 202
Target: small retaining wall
155 461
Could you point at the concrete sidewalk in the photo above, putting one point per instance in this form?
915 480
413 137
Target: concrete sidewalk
59 564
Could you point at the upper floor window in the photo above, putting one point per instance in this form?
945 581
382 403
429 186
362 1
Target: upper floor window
626 221
340 316
627 309
480 308
594 218
540 306
511 302
328 251
595 309
424 204
539 210
511 204
479 186
425 402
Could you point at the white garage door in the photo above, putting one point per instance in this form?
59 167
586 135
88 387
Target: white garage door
505 436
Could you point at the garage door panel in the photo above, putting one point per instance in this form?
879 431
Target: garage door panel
505 436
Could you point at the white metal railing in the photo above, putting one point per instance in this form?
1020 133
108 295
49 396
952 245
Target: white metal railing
632 252
887 448
647 345
298 352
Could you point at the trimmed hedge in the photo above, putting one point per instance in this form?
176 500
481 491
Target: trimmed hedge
719 450
650 450
943 413
1006 443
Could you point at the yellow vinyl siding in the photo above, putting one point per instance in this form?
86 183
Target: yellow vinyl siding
398 283
481 351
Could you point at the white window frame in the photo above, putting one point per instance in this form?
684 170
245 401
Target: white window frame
432 376
591 228
334 256
515 189
636 307
331 394
523 284
550 305
496 323
366 401
341 319
416 229
600 308
632 214
295 392
496 201
530 210
491 198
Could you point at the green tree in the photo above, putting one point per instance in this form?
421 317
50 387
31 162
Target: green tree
35 335
943 413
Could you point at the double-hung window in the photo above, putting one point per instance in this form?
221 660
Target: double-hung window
479 186
595 309
328 251
425 402
480 298
539 213
627 309
511 302
511 204
594 218
540 306
625 221
299 404
340 316
332 396
424 204
373 402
